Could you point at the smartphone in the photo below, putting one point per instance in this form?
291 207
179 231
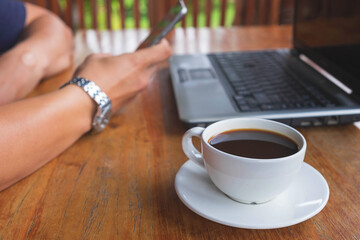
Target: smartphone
164 26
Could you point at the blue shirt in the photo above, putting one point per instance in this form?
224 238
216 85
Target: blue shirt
12 22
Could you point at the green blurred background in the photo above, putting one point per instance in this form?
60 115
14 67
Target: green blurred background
144 21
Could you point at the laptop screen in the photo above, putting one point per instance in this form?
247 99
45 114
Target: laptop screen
328 32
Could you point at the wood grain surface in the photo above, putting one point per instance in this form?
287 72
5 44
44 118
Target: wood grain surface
119 184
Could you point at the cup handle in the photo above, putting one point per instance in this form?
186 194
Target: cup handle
188 147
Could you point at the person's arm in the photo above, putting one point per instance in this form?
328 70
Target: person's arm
44 49
35 130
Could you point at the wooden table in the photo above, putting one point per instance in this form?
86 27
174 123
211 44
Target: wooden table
120 184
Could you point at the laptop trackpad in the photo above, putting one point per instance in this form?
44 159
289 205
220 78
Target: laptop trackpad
204 99
199 93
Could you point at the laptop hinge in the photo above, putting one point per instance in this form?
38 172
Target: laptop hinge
327 75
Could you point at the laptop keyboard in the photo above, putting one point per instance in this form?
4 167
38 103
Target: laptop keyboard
260 82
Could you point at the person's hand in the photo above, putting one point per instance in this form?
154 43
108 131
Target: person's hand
123 77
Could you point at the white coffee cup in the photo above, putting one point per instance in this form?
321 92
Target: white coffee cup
246 180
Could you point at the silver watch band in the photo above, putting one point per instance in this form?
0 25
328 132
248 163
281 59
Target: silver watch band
103 112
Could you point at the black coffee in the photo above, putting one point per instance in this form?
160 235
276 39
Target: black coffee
254 143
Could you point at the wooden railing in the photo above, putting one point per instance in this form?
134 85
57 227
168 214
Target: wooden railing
202 13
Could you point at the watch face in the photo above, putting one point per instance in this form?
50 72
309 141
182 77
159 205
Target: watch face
101 120
107 115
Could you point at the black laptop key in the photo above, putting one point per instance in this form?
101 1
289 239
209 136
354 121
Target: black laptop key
237 84
305 96
241 88
284 106
252 101
298 105
239 98
311 104
244 107
261 98
240 92
275 98
232 76
248 108
249 65
267 106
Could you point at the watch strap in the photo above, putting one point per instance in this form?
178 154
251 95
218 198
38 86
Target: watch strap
103 102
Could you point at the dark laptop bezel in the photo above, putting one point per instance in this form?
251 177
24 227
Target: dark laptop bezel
300 48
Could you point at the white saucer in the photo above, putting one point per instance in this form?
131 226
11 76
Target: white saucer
305 198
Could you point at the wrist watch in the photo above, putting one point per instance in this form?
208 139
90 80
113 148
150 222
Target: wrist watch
103 112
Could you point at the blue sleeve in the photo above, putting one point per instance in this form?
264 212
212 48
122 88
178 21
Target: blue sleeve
12 22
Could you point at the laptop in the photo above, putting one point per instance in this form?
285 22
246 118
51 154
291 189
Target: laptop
315 83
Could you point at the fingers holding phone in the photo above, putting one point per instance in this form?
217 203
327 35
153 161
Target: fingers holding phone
155 53
123 77
165 25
